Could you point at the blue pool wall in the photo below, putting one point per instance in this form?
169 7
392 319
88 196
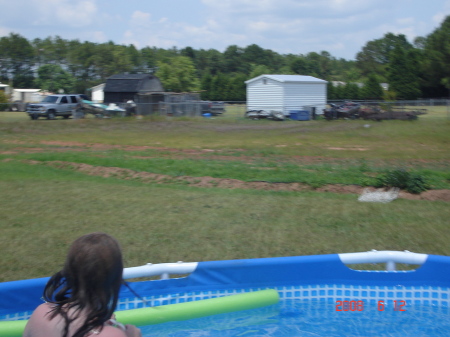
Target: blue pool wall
250 274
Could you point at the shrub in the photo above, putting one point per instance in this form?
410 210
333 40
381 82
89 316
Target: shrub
3 101
401 178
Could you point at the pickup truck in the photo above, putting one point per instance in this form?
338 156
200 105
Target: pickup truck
55 105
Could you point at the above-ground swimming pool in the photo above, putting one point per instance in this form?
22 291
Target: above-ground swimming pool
285 296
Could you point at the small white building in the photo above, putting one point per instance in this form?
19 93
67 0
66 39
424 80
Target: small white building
98 94
5 88
26 95
286 93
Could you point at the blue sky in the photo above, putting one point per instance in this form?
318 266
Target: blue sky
341 27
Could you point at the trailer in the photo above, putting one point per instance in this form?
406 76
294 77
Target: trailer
371 111
379 113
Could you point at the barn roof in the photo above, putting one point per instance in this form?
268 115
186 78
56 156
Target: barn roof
133 83
289 78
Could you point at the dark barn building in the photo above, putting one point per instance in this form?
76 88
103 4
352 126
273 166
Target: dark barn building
124 87
148 93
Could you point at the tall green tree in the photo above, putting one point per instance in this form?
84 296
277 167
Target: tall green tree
351 91
301 66
188 52
372 88
16 60
402 73
254 54
81 60
259 69
209 61
135 58
50 50
110 59
53 78
339 92
205 87
238 88
179 75
331 92
325 64
436 63
220 88
344 70
148 57
375 55
233 60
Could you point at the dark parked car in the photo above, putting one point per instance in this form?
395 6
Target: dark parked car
213 108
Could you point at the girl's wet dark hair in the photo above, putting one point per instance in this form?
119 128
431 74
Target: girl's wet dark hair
89 283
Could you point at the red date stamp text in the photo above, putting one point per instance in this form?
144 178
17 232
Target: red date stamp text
360 305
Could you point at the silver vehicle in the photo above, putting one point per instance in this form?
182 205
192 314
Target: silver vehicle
55 105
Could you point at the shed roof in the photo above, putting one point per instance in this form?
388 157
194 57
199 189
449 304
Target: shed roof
27 90
100 86
289 78
133 83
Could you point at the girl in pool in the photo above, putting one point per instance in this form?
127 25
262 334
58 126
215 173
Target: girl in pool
81 298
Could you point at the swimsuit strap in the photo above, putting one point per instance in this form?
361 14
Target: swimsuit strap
111 322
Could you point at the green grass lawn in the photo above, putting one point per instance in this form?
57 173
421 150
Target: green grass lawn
44 208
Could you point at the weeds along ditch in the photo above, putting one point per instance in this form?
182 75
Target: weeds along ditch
277 169
60 179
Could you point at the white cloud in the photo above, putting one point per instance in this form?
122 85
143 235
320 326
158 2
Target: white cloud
438 18
301 26
78 14
143 30
98 36
260 26
213 24
140 19
406 21
285 17
290 8
341 27
63 12
350 5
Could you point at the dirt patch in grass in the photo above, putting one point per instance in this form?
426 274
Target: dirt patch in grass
348 148
213 154
210 182
431 195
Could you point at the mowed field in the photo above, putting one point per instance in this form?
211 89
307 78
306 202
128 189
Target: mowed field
196 189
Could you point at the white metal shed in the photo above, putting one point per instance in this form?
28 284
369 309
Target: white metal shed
286 93
98 94
26 95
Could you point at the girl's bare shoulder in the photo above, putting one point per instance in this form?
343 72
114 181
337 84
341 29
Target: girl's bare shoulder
38 324
109 331
43 309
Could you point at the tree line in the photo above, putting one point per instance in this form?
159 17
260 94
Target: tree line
412 70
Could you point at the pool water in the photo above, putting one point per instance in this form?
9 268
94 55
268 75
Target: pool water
299 317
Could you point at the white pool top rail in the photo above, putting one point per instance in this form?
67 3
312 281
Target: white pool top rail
164 270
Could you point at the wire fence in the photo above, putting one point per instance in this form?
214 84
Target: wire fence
417 103
435 108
